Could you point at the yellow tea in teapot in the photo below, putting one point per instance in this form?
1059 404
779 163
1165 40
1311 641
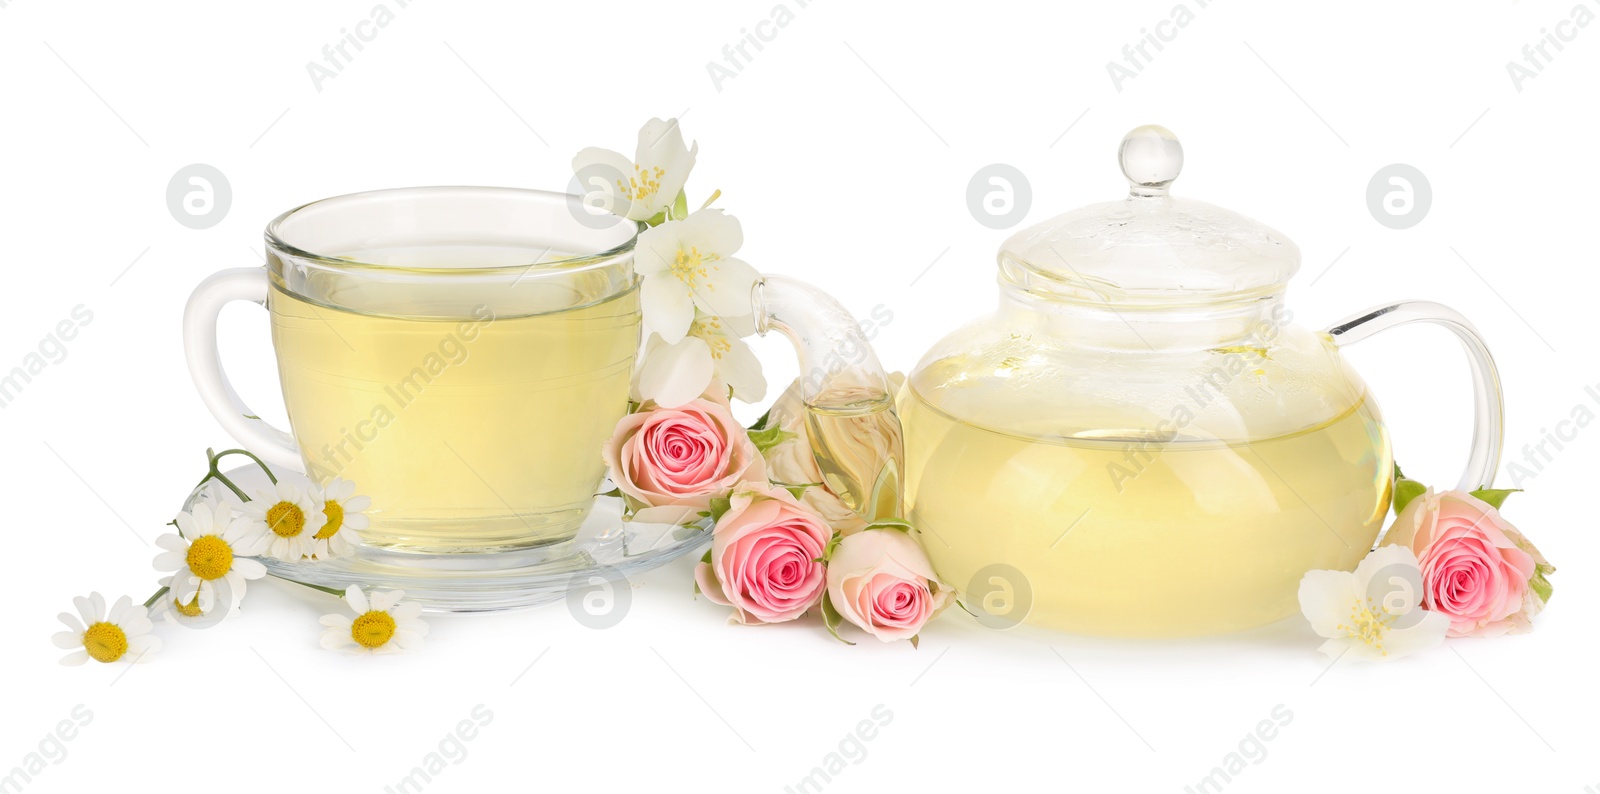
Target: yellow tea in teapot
1132 537
473 416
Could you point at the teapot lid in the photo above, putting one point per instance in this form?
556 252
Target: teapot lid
1150 249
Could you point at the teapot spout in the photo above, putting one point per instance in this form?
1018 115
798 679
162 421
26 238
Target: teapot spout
846 397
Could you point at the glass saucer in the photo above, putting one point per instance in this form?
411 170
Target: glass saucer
605 548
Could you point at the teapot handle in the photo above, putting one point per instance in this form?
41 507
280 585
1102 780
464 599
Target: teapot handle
1487 432
845 394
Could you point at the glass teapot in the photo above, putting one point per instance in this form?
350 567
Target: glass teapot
1138 441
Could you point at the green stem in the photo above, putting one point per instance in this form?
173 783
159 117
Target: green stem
247 454
328 590
158 594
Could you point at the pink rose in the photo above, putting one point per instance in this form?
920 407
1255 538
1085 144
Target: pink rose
880 580
766 556
681 457
1476 566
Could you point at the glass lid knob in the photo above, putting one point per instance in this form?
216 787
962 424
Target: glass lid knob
1151 159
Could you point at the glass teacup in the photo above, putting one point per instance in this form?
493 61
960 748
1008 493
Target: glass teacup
460 353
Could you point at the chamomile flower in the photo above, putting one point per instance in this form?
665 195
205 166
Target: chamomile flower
343 511
210 549
176 612
290 516
382 624
106 636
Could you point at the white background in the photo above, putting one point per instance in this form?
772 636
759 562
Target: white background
845 147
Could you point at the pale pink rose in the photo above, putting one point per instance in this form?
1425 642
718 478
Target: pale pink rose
870 444
766 556
681 457
1475 565
880 581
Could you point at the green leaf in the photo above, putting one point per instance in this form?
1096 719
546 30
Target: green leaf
680 206
916 639
831 618
1406 490
657 219
768 437
1541 582
833 543
799 489
891 523
614 493
1398 474
1495 496
719 505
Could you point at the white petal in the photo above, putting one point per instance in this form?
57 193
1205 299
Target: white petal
741 370
140 648
337 621
67 640
726 289
408 640
88 608
355 521
356 599
356 504
1325 599
713 230
336 638
71 622
1428 633
598 171
407 611
170 561
248 568
171 542
75 659
677 373
119 610
666 305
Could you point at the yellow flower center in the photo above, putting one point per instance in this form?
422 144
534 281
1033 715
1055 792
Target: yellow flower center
105 642
689 266
335 513
709 330
643 183
210 557
286 519
189 610
1369 622
372 629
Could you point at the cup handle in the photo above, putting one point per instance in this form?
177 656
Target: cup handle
840 378
205 364
1488 429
